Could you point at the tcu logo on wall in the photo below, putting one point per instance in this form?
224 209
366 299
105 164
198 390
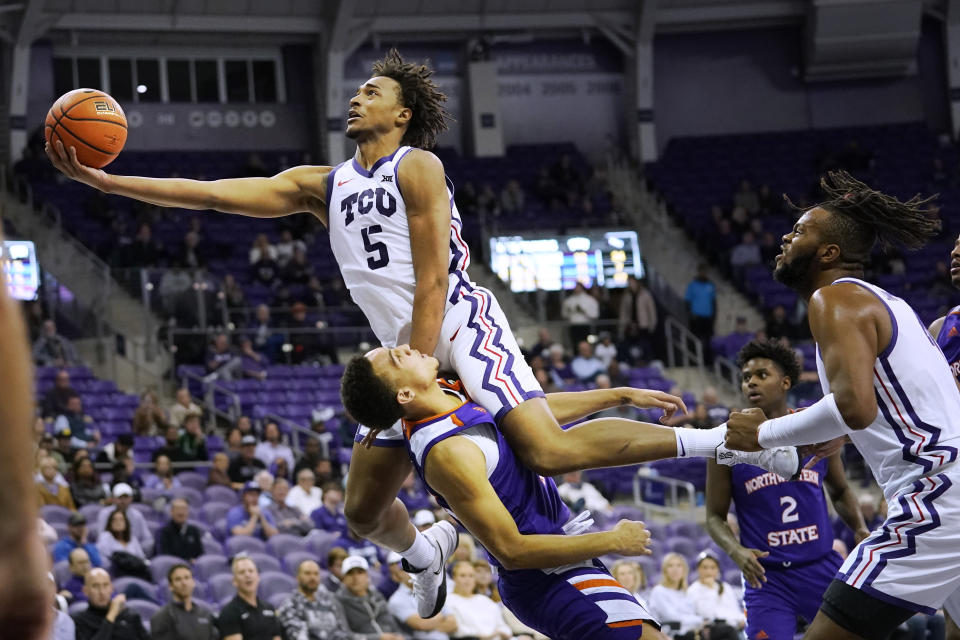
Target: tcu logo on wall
366 201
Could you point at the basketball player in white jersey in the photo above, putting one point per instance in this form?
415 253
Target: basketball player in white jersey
889 388
395 232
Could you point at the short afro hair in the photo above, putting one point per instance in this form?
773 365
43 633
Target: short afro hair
367 398
774 350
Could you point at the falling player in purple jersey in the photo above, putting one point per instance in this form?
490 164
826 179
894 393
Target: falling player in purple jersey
785 548
887 386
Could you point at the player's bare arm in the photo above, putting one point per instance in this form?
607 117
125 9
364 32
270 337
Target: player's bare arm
719 479
569 406
428 214
843 499
300 189
456 468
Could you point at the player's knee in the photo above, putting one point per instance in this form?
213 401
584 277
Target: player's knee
361 518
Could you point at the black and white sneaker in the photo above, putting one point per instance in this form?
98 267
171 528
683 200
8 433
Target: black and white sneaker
430 584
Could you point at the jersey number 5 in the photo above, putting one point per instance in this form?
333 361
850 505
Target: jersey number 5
790 510
382 259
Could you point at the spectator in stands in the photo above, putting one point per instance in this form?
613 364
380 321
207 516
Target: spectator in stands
298 270
313 447
643 314
117 451
512 198
50 487
117 542
581 310
221 362
79 424
485 582
476 614
669 602
254 365
746 197
631 577
424 519
264 480
770 203
769 248
699 418
325 472
586 366
171 445
289 519
735 341
76 539
745 254
162 478
265 339
246 465
247 519
55 402
178 537
311 611
580 495
717 603
245 425
287 246
280 469
264 269
106 616
558 368
219 472
306 345
144 251
365 607
53 350
149 418
412 494
231 296
192 443
329 516
191 254
183 406
701 299
247 617
79 565
542 346
403 606
125 472
605 350
182 618
487 202
357 546
335 558
872 519
262 249
716 412
139 529
778 324
86 487
272 448
62 626
305 496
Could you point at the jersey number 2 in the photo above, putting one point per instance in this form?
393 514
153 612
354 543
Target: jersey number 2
382 259
790 512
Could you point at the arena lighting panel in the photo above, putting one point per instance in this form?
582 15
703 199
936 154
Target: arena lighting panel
21 272
554 262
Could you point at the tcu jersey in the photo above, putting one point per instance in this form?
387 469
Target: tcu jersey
370 238
949 340
788 519
915 432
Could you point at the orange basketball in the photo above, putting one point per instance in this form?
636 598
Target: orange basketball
91 121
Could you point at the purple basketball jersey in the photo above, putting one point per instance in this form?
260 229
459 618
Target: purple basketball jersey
788 519
949 340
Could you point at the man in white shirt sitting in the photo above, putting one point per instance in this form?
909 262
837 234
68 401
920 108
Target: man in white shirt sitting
580 495
271 448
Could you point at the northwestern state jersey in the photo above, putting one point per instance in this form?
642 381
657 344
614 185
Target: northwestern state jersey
533 501
949 340
915 432
370 238
788 519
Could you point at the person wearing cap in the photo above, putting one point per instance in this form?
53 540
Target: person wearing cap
49 491
178 537
139 529
247 519
246 465
311 611
107 616
365 607
118 450
182 618
76 539
329 515
272 448
424 519
246 617
403 606
715 601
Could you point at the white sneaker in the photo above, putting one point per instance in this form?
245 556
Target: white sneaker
783 461
430 584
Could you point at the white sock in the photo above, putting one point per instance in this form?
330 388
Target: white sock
421 553
699 443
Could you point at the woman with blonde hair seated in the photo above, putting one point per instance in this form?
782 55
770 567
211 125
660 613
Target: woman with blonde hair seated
669 601
477 615
631 576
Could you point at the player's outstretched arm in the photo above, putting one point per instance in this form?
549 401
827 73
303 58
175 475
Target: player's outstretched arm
718 506
456 468
569 406
291 191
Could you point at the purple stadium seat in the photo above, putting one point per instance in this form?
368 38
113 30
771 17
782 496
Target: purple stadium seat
733 577
210 545
293 559
264 561
684 528
278 598
684 546
192 496
236 544
61 572
54 513
221 587
272 582
120 585
214 511
145 608
283 543
222 494
160 565
320 541
77 607
193 480
209 565
91 511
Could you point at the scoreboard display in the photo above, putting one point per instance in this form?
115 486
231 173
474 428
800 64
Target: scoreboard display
21 272
554 262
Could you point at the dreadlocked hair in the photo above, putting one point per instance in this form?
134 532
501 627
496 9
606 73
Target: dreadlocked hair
864 216
418 93
781 355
